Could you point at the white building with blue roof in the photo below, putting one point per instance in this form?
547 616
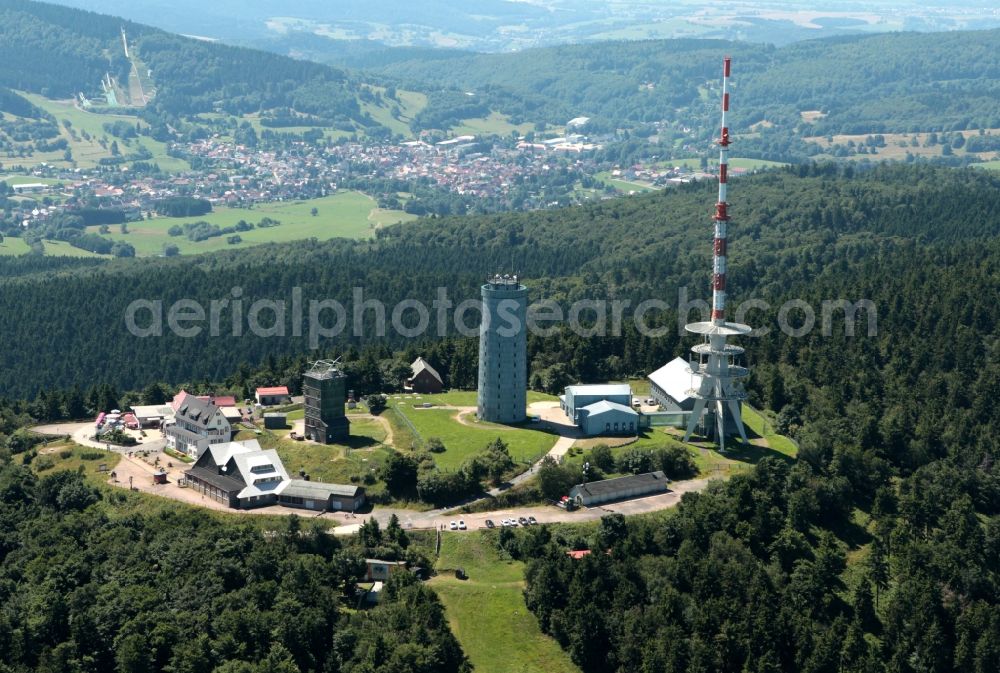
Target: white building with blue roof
600 409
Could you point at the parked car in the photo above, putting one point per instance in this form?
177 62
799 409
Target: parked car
490 524
532 520
453 525
522 521
461 524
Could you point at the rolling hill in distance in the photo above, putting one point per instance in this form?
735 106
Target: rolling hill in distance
286 169
506 25
887 83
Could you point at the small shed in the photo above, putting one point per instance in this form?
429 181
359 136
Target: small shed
160 477
377 569
275 421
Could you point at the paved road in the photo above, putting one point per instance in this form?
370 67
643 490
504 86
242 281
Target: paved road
141 479
81 433
543 513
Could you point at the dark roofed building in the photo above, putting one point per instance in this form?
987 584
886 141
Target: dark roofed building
197 425
424 378
320 496
619 488
243 476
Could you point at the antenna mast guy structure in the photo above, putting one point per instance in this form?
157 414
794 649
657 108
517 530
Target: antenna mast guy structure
719 390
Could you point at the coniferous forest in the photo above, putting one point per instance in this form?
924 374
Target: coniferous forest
896 428
876 550
98 585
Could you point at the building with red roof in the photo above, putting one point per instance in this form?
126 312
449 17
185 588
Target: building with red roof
270 396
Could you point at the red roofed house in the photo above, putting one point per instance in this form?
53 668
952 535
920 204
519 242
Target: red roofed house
178 400
578 554
267 397
217 400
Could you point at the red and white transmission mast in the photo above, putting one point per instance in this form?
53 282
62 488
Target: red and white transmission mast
716 379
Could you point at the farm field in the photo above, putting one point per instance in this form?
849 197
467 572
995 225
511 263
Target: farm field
898 145
346 214
494 124
734 162
12 180
623 185
17 246
410 103
487 613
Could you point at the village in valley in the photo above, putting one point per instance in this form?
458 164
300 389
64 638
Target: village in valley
239 177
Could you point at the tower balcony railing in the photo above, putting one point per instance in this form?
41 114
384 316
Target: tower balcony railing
708 349
732 395
732 371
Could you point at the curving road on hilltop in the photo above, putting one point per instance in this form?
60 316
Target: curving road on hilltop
137 473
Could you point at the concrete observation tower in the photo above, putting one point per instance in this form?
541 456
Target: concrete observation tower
503 351
712 362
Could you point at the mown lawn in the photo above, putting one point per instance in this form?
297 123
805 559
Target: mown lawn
487 612
337 463
461 441
707 459
463 398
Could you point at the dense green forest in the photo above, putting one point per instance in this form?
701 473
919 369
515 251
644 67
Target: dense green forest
815 236
776 571
899 82
89 582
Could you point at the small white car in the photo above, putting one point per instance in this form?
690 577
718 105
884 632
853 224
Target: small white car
453 526
461 524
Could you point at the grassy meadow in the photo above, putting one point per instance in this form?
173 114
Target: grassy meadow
345 214
487 613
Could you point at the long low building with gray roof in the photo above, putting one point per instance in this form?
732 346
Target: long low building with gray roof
620 488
